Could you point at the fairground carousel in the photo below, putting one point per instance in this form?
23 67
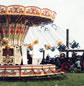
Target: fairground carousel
15 21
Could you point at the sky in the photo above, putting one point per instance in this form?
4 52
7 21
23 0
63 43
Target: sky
70 15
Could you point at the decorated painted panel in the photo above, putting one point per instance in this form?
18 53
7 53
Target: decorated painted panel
2 10
11 31
12 73
25 32
22 31
6 30
15 9
31 10
46 13
38 71
2 73
27 72
47 71
53 15
9 71
17 31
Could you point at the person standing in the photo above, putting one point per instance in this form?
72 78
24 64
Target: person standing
29 58
78 64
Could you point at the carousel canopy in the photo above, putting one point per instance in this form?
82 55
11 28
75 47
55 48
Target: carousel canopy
15 21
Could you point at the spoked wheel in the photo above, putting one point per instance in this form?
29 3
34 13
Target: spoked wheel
83 64
65 67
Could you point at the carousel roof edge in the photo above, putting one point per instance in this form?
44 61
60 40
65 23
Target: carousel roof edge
22 6
27 10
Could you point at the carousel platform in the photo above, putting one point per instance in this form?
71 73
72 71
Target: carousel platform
28 71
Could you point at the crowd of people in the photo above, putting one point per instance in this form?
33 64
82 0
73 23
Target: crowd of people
75 62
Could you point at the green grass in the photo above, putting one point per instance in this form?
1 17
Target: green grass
73 79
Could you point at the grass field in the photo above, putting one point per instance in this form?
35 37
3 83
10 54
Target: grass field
73 79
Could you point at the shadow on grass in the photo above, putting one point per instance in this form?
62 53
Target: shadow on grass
24 79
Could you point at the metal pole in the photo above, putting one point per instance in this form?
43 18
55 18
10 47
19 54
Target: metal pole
67 42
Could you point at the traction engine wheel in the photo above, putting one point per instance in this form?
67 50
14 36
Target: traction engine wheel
65 67
83 64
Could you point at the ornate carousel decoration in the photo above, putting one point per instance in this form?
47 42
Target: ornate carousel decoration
15 21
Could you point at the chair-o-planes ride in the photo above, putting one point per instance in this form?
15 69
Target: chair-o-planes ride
15 21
